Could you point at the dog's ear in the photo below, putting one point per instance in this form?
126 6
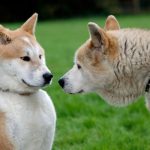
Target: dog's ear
97 34
30 25
4 39
111 23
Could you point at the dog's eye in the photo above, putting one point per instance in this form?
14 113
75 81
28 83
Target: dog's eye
26 58
40 56
79 67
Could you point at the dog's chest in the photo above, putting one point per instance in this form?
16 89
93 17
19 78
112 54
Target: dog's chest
28 120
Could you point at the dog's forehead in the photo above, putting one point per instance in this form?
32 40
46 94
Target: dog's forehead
28 41
20 43
83 51
31 45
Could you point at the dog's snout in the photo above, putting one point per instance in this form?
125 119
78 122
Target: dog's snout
47 77
61 82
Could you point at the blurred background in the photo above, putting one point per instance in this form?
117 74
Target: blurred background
49 9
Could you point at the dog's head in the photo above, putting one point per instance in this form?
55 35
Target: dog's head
22 60
93 61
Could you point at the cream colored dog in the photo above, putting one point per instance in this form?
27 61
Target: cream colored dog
113 62
27 114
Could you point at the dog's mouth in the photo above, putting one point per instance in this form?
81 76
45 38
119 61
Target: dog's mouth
33 86
81 91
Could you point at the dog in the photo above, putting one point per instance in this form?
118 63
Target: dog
113 62
27 114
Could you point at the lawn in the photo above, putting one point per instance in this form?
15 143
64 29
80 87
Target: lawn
86 122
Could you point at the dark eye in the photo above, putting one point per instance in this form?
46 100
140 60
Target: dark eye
79 67
40 56
26 58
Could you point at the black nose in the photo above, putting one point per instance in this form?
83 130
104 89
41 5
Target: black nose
47 78
61 82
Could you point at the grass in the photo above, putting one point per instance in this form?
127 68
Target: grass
86 122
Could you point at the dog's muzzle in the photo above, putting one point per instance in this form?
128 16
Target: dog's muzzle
61 82
47 78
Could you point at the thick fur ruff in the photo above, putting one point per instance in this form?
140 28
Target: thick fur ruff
113 62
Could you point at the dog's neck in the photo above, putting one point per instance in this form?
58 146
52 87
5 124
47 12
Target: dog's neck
119 99
124 91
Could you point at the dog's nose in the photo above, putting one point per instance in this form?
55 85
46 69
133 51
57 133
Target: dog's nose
47 77
61 82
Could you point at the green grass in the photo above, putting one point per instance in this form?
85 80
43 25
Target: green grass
86 122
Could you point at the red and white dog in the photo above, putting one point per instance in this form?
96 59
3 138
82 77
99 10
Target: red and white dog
27 114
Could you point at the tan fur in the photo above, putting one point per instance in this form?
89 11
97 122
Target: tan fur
118 62
89 59
5 143
29 25
11 38
10 50
114 62
20 94
111 52
111 23
113 47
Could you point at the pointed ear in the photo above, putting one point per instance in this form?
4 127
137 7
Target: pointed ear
4 39
30 24
97 34
111 23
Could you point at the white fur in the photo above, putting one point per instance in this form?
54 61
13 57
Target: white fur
74 80
30 114
13 71
84 80
123 80
30 120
